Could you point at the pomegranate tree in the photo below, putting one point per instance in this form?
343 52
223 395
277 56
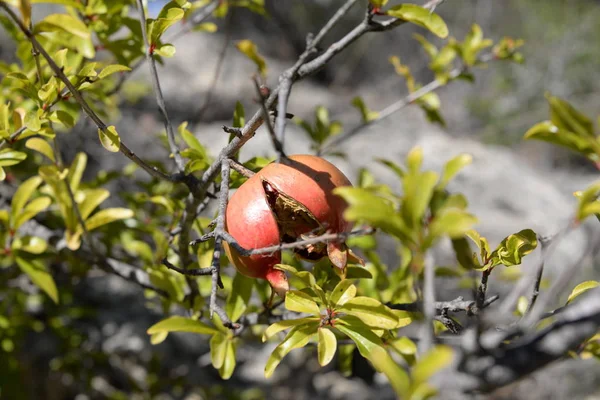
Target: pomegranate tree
283 203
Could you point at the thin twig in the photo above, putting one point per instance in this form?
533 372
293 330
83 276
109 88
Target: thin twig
160 100
274 139
538 275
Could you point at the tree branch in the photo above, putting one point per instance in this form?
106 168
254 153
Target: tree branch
160 100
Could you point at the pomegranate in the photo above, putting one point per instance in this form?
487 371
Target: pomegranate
285 202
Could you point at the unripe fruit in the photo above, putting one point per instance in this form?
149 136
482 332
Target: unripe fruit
286 202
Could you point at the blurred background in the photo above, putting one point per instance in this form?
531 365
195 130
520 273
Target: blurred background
511 185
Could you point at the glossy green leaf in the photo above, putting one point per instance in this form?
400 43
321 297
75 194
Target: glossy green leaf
249 49
239 296
582 288
112 69
166 50
10 157
93 198
342 293
218 349
210 27
76 170
418 191
453 167
30 244
566 117
298 337
451 222
65 118
166 18
39 275
375 210
110 139
547 131
514 247
397 377
31 210
367 114
107 216
398 170
158 338
301 302
404 346
326 347
420 16
32 121
41 146
378 3
229 362
436 359
285 324
181 324
22 196
65 22
429 48
371 312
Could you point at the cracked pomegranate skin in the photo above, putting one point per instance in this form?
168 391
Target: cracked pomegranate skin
309 180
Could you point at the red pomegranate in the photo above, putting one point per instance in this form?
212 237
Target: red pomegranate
285 202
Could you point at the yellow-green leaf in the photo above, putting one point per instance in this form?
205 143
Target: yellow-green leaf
10 157
111 69
582 288
298 337
326 347
301 302
110 139
285 324
41 146
437 358
181 324
31 210
40 276
249 49
342 293
159 337
107 216
22 196
228 366
30 244
218 349
206 27
239 296
371 312
64 22
420 16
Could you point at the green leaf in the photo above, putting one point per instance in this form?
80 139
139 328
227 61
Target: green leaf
418 191
582 288
210 27
32 121
306 279
181 324
375 210
229 362
238 116
158 338
218 349
10 157
398 170
64 22
301 302
31 210
371 312
436 359
298 337
239 296
41 146
166 18
367 114
166 50
249 49
397 377
30 244
22 196
286 324
429 48
107 216
40 276
453 167
110 139
451 222
566 117
514 247
378 3
326 347
65 118
404 346
342 293
420 16
93 198
76 170
112 69
547 131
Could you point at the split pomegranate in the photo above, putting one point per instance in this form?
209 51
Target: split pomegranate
285 202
